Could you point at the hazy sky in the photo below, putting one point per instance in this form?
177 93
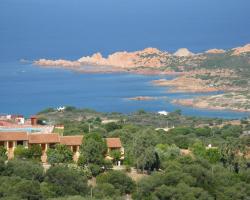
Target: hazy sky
72 28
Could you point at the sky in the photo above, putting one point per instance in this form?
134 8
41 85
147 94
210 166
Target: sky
32 29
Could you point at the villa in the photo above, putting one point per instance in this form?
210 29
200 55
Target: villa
114 144
10 140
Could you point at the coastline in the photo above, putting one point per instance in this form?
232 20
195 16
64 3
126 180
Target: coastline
204 72
184 82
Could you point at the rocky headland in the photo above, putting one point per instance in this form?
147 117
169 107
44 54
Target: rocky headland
209 71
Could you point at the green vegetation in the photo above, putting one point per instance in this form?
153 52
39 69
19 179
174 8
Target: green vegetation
60 154
34 152
198 159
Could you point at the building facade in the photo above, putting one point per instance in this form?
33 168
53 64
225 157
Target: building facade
10 140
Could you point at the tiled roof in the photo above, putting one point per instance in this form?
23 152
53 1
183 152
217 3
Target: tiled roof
71 140
13 136
5 123
114 142
43 138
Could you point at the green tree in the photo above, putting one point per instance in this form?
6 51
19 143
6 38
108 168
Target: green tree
213 155
112 126
105 190
116 155
35 152
93 149
205 132
14 188
25 169
144 153
3 153
62 180
167 152
198 149
61 154
21 152
118 179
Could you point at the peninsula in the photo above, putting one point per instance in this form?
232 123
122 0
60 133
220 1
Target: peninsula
210 71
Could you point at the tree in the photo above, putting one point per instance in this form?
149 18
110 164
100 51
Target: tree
14 188
93 149
198 149
105 190
61 154
21 152
112 126
118 179
62 180
25 169
3 153
116 155
205 132
143 151
35 152
213 155
229 151
167 152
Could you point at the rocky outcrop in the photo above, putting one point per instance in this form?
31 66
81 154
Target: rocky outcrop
215 51
186 84
240 50
57 63
183 52
149 57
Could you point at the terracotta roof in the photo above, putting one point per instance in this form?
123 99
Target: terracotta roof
13 136
114 142
43 138
71 140
16 116
5 123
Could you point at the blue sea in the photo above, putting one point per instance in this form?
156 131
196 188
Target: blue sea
70 29
27 89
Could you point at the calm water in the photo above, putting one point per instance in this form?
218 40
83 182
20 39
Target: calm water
27 89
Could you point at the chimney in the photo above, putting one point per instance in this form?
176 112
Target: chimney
33 120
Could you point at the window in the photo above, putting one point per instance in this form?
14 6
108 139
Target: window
20 142
74 149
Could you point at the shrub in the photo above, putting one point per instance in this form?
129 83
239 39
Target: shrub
21 152
25 169
118 179
63 181
3 153
61 154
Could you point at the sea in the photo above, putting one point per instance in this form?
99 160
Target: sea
27 89
30 30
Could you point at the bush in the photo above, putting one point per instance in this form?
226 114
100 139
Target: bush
112 126
61 154
3 153
21 152
35 152
15 188
102 191
118 179
95 169
64 181
25 169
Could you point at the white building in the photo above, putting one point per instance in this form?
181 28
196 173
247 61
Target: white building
163 112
